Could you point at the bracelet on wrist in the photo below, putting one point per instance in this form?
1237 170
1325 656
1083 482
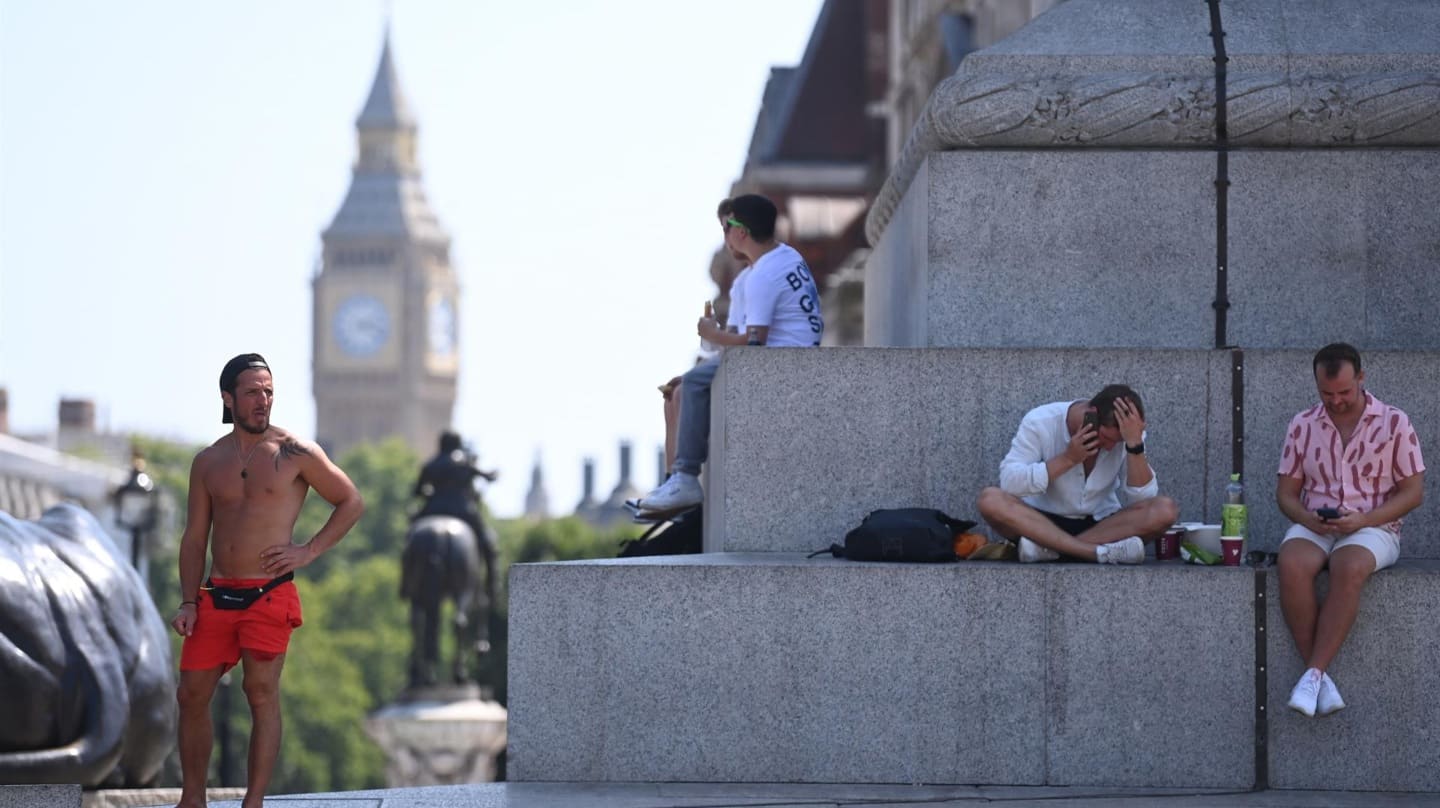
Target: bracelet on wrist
185 603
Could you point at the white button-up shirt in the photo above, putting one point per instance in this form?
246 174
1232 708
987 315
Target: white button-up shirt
1043 435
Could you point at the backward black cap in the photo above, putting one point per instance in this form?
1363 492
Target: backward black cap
231 374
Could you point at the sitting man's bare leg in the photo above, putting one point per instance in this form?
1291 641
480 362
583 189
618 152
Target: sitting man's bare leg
1148 519
672 420
1012 519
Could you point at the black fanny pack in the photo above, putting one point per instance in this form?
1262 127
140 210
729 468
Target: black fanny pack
229 597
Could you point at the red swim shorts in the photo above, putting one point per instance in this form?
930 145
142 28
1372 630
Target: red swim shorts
263 629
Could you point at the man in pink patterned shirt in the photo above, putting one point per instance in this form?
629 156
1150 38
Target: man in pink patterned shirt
1350 469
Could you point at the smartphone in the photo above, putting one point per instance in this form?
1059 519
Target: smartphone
1091 419
1326 514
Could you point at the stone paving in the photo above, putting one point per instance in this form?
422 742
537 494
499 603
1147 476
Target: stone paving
722 795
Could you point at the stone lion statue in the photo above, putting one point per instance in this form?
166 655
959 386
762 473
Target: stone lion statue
86 679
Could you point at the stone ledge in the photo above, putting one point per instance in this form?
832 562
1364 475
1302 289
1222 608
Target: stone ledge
928 427
910 428
40 796
798 795
774 668
1388 672
156 797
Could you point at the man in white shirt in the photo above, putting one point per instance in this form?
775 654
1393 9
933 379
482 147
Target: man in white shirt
735 324
782 309
1076 482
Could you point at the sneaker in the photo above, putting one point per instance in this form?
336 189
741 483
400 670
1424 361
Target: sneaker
678 492
1125 551
1306 694
1329 700
1030 552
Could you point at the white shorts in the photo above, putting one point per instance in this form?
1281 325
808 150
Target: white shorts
1381 543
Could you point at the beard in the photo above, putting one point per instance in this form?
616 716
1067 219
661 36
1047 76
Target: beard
255 426
1343 408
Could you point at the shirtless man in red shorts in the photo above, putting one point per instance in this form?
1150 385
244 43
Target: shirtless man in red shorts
246 490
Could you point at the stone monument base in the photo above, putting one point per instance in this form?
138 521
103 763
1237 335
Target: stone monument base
138 797
40 796
440 735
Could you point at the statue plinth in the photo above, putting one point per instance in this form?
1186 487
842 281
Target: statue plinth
445 693
439 741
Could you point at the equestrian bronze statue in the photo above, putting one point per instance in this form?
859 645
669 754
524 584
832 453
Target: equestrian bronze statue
447 550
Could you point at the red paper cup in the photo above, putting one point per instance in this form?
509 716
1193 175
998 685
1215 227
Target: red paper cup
1168 545
1231 548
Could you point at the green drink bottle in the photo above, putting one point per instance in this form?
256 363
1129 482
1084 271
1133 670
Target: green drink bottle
1232 513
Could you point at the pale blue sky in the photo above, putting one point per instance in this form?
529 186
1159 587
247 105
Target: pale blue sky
166 168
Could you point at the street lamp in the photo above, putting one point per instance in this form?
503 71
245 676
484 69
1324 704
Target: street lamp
135 505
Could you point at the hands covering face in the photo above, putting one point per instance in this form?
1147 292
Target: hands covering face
1132 426
1129 428
1084 444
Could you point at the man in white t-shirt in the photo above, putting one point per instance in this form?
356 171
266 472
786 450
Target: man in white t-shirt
734 323
781 309
1076 482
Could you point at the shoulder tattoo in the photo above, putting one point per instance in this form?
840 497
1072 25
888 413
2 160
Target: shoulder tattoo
289 448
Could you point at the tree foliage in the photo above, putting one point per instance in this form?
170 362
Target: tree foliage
385 474
349 663
168 464
567 539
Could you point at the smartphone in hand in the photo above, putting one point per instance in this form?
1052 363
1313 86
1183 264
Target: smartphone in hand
1092 420
1326 514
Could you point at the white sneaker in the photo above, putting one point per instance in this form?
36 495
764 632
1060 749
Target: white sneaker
1030 552
679 491
1306 694
1125 551
1329 700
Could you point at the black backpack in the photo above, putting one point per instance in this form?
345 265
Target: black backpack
680 535
901 534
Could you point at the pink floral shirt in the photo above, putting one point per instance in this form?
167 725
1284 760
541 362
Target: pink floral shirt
1383 450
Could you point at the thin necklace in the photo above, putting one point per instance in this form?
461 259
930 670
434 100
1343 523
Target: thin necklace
246 462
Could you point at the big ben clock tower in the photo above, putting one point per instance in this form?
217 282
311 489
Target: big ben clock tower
386 353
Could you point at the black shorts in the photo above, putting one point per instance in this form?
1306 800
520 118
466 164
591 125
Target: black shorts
1070 524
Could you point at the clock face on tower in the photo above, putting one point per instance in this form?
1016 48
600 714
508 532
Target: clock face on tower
362 325
441 327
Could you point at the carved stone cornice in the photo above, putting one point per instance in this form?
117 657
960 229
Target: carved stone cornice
1153 110
1382 109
